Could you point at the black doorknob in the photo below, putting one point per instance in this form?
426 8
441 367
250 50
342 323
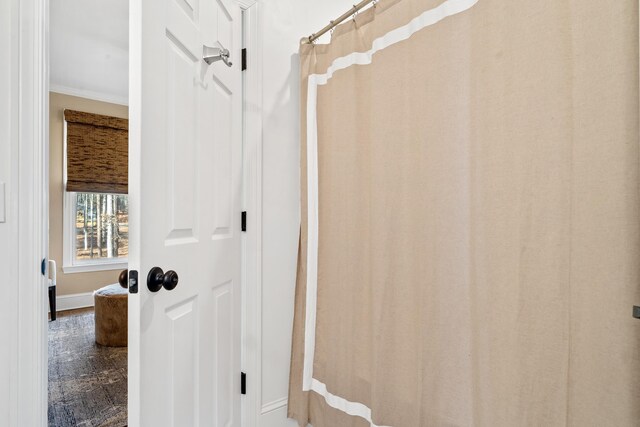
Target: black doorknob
170 280
123 279
156 279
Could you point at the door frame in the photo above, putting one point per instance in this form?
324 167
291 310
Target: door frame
30 202
28 210
251 276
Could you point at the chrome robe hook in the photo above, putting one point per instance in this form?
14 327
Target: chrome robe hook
216 53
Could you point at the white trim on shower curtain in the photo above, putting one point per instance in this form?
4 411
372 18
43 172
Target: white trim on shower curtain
427 18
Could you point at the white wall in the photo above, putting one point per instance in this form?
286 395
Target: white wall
284 23
89 44
8 293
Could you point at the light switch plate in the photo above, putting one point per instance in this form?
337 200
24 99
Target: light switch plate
3 203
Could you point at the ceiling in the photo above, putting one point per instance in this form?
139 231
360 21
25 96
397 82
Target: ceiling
89 48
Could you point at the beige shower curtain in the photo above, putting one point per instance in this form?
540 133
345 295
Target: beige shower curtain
469 250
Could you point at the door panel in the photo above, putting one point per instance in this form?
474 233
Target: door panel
190 7
223 185
185 169
182 340
223 350
181 143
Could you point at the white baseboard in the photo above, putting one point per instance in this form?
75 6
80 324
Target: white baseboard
275 405
73 301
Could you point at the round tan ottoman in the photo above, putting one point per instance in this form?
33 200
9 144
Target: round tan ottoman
111 315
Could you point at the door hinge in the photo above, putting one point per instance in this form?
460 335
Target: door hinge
243 223
243 383
636 312
244 58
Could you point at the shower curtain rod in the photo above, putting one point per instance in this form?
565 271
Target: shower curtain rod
356 7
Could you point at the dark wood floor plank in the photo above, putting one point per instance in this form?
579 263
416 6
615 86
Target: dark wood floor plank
87 382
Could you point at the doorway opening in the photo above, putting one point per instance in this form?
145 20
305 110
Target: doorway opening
89 224
88 213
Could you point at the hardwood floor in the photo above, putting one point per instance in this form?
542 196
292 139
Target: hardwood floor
87 382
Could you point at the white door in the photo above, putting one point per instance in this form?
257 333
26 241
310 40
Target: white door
184 186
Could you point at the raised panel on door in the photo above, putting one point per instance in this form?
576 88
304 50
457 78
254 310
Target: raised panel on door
226 22
182 149
223 346
190 8
182 347
218 110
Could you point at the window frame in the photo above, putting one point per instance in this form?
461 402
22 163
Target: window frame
69 262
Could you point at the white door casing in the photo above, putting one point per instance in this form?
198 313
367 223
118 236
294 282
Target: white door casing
185 187
267 306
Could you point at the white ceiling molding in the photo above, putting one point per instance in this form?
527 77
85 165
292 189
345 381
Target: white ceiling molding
89 49
87 94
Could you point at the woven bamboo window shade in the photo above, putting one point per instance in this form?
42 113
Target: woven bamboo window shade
97 153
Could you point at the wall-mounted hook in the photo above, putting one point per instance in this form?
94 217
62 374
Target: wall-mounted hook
216 53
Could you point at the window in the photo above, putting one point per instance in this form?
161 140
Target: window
96 220
96 232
